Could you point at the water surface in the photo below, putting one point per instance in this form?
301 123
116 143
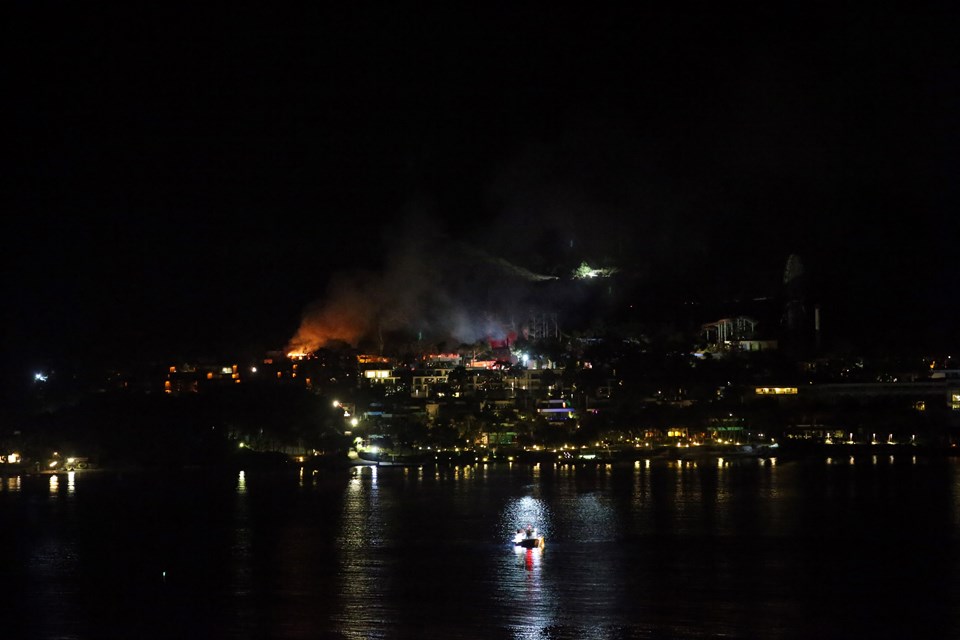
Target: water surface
822 548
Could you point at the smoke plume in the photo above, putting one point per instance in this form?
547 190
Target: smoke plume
430 286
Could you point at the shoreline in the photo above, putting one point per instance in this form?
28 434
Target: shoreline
667 455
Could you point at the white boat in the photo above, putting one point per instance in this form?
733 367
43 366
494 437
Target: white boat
528 539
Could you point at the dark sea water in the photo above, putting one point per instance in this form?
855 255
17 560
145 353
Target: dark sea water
862 547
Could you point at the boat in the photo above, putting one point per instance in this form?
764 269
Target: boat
534 543
528 539
353 458
402 460
725 452
385 458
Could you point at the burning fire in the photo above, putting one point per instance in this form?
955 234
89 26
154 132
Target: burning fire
319 326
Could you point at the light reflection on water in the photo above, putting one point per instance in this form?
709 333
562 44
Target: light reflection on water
522 512
522 587
241 545
363 574
519 580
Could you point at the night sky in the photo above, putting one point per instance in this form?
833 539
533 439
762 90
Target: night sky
189 180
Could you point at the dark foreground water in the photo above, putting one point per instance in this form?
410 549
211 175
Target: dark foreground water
841 548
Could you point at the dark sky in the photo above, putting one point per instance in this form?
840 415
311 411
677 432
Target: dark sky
191 179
